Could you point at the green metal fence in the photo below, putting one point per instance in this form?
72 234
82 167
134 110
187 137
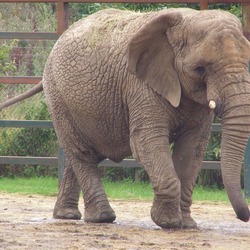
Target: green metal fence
59 161
129 163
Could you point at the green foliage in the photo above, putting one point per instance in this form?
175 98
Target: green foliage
25 57
27 17
29 141
6 65
235 9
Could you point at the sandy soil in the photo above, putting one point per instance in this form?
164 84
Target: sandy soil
26 223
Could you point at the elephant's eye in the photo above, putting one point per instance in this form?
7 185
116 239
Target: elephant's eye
200 70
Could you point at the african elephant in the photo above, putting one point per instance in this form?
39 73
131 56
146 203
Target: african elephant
119 83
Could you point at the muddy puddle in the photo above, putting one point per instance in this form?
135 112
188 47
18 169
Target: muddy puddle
26 223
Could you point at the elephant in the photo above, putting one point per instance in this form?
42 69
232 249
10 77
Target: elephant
120 83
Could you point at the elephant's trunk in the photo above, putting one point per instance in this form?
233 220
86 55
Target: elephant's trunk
235 133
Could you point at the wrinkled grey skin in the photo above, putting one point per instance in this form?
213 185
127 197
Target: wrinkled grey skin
120 82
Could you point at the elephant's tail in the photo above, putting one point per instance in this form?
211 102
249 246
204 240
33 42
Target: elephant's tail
36 89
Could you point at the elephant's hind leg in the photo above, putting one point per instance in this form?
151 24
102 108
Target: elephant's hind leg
81 172
66 206
97 207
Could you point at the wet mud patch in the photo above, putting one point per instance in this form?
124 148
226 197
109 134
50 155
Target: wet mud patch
26 223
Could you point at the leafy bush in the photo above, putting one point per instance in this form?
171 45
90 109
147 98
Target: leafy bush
29 141
21 57
6 65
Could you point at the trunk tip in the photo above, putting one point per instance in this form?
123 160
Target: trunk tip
243 214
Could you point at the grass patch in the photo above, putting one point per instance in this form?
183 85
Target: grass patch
126 190
209 194
42 186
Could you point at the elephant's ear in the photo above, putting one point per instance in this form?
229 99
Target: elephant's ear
151 57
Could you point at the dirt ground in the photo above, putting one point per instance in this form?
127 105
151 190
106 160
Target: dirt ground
26 223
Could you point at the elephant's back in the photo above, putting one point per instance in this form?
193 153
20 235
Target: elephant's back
88 61
111 24
103 28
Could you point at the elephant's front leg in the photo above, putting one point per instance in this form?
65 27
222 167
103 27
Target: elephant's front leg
154 153
188 153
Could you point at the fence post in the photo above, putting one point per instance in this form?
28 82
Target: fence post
246 19
246 165
62 17
61 165
203 4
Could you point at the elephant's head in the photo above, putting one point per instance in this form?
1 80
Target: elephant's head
204 56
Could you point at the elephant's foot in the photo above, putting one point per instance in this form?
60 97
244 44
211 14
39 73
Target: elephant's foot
188 221
103 214
67 213
166 215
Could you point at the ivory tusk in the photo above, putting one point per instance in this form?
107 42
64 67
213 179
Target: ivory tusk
212 104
